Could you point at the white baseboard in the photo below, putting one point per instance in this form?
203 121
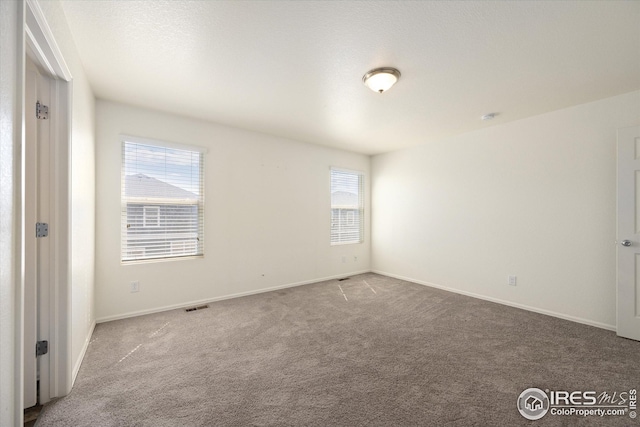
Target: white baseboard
504 302
76 367
221 298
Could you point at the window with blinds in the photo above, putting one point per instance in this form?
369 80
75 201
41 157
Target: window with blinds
162 200
347 207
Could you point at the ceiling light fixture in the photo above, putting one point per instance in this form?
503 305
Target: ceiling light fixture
381 79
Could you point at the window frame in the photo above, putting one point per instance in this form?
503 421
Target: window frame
127 251
360 207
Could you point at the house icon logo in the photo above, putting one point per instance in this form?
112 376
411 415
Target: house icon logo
533 403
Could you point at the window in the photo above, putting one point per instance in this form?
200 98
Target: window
151 216
347 207
351 218
162 200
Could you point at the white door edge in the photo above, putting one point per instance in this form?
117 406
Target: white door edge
628 233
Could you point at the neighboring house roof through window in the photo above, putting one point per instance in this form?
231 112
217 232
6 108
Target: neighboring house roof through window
143 186
344 199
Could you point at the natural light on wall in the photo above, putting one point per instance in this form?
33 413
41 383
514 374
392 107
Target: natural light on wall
347 207
162 200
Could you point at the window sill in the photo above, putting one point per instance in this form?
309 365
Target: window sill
346 243
157 260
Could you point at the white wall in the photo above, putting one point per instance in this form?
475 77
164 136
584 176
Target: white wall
10 299
534 198
267 215
82 187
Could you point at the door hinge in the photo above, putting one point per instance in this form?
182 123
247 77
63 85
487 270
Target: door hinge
42 347
42 229
42 111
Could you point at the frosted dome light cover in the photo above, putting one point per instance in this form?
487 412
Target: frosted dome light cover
381 79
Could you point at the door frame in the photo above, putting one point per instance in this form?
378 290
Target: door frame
56 373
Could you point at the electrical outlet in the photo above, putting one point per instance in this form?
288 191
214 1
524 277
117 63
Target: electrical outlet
512 280
135 286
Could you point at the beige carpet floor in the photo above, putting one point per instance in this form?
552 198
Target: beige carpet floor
368 351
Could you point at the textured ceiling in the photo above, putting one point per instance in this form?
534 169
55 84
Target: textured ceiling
294 69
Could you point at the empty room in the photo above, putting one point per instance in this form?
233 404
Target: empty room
319 213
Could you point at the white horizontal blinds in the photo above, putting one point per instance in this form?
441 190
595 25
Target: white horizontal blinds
162 202
347 207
